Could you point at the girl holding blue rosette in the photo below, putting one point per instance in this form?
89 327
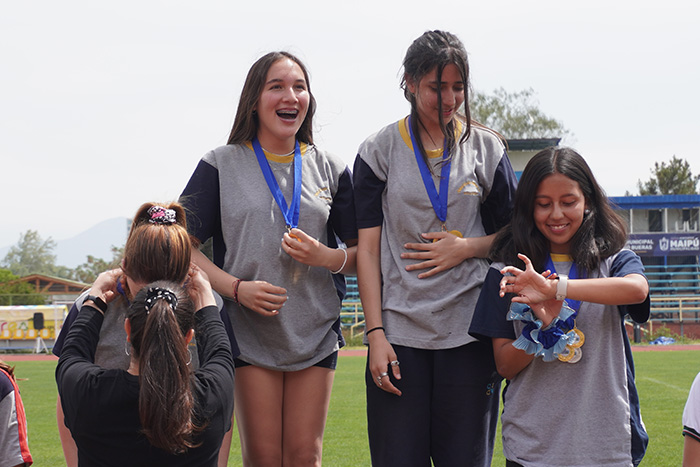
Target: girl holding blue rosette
430 191
274 203
554 306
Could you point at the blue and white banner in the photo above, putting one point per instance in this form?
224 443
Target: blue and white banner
665 244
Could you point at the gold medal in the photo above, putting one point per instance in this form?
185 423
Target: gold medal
289 232
456 233
578 339
567 354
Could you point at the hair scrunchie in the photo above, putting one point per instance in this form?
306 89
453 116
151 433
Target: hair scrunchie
156 293
161 215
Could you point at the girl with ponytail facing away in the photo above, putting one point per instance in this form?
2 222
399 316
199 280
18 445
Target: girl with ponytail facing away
158 248
159 411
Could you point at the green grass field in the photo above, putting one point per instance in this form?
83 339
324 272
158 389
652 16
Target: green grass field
663 380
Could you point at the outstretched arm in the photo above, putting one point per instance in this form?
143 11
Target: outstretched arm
531 287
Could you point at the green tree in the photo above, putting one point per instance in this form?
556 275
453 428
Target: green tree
31 255
89 270
672 178
19 293
515 115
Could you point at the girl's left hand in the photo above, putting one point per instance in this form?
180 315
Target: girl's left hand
303 248
443 254
528 286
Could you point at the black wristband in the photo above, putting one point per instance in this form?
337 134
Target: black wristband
374 329
99 303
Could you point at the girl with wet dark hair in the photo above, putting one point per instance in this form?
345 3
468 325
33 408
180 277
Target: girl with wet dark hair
430 190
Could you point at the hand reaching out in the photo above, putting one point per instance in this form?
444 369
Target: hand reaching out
529 286
534 289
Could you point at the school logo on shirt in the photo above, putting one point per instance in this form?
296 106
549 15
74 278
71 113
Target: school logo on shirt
469 188
323 193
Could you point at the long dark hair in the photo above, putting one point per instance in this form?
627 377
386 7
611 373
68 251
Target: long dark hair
167 407
245 125
436 50
601 234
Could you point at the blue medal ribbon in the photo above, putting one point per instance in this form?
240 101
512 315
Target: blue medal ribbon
291 213
438 200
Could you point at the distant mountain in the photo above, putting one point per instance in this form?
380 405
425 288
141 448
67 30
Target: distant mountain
96 241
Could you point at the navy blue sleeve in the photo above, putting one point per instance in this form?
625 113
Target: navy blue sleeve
368 195
489 319
67 323
342 216
627 262
200 198
497 210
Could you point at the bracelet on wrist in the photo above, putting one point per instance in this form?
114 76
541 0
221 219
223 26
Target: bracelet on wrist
367 333
562 286
345 260
236 284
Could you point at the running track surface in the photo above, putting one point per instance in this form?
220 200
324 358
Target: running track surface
360 352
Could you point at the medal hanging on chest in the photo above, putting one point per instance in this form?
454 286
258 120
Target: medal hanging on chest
438 200
576 338
291 213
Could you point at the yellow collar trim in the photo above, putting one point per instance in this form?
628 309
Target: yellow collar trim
431 153
286 159
559 258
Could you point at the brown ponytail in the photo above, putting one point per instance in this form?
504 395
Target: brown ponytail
167 407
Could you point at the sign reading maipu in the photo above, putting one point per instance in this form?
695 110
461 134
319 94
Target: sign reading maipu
665 244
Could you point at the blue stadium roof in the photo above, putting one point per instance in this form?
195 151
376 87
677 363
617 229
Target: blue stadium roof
656 201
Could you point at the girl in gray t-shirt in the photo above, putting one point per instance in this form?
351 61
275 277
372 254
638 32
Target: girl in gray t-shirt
558 336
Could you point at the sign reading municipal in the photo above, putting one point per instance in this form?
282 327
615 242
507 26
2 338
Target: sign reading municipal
665 244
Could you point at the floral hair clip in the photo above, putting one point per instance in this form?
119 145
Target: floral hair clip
156 293
161 215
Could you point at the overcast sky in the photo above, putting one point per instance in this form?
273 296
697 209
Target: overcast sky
106 105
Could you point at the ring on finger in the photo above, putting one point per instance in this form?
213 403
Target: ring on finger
394 363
